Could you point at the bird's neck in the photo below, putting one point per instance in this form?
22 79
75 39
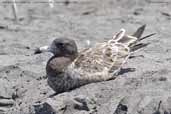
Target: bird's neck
57 65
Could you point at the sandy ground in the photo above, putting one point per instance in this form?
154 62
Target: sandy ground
23 87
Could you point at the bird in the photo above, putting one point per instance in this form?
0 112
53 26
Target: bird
68 69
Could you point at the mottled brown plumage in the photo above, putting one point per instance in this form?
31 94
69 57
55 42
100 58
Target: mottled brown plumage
68 69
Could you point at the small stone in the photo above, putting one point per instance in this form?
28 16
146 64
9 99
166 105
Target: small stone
162 79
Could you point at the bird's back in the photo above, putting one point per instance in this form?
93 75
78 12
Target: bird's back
108 57
104 58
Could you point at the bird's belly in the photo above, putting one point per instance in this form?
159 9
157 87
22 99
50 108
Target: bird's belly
66 81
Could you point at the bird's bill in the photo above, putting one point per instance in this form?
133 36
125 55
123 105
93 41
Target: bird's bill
42 49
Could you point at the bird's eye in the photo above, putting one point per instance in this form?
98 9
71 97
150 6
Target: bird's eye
60 44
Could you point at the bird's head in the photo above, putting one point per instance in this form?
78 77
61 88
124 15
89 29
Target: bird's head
60 47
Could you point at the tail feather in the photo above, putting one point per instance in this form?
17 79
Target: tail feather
133 41
139 32
146 36
130 40
138 46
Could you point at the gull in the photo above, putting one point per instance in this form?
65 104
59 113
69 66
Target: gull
68 69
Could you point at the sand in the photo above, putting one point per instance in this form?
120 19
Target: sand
145 90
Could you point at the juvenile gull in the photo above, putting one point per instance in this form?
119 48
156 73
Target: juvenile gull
68 69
